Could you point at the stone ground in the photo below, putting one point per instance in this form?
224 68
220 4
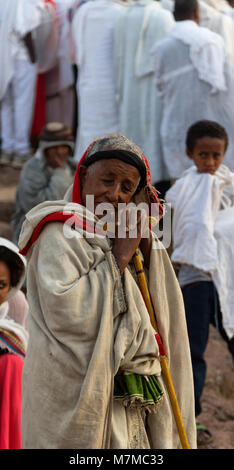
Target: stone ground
218 396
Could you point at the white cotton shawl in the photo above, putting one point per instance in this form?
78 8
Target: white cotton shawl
221 5
207 52
198 222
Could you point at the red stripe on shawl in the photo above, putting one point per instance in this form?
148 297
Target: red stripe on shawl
160 345
55 217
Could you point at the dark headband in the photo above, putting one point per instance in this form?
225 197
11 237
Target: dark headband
123 155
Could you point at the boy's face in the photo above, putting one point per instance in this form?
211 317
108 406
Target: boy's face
207 154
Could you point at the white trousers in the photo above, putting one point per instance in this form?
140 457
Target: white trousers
17 108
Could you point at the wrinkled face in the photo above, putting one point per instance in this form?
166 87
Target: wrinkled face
110 181
57 156
207 154
5 281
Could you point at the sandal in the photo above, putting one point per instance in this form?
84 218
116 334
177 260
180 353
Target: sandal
204 436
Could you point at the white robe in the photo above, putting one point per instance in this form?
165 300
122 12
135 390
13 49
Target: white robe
97 110
203 219
215 15
141 25
188 94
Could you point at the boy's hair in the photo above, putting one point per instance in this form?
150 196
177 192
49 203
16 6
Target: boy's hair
205 128
184 9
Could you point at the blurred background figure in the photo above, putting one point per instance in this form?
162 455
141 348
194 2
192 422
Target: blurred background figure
139 26
13 342
60 80
92 29
216 16
47 175
195 81
20 24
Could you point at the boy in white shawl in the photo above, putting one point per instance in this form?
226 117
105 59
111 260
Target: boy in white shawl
203 203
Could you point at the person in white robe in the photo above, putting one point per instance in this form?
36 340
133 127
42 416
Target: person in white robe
139 26
92 355
60 80
195 81
92 29
214 16
18 21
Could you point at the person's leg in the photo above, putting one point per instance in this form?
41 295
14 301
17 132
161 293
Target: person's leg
7 126
24 95
197 308
217 321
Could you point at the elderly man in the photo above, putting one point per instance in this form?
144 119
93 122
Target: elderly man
92 375
47 175
194 81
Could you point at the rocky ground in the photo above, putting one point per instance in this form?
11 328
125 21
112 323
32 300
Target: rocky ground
218 397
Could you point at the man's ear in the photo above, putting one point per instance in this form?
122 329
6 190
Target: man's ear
189 154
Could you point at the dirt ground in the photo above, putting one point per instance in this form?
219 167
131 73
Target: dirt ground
218 396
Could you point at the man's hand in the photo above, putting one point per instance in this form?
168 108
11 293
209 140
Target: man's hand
124 247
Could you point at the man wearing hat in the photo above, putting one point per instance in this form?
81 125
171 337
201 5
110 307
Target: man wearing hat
47 175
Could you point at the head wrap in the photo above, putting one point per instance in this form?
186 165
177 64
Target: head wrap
118 146
56 133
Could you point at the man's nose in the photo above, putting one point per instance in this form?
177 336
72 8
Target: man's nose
114 193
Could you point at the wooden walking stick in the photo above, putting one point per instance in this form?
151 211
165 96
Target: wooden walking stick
164 364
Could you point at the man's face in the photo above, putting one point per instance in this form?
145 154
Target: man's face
109 181
207 154
5 281
57 156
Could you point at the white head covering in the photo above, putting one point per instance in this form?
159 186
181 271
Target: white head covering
15 306
14 249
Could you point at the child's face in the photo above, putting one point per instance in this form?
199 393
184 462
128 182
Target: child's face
5 281
207 154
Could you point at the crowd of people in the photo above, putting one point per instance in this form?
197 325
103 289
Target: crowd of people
125 102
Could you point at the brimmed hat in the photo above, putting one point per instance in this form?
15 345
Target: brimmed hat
56 133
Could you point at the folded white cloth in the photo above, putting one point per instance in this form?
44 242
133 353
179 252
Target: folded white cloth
203 224
207 52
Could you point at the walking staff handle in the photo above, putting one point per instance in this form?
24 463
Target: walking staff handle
164 364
